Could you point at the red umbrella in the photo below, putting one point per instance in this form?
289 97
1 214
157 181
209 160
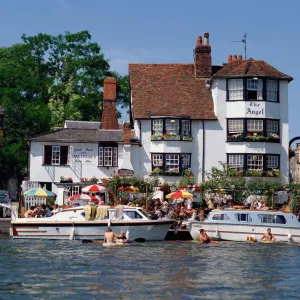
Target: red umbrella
83 197
94 188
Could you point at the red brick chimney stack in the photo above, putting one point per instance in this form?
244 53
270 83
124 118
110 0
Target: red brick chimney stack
202 60
229 58
109 118
126 133
234 57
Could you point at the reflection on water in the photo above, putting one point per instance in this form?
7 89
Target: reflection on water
163 270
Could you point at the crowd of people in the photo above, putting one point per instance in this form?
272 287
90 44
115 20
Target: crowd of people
42 211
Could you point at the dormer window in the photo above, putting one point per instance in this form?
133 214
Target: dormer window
255 89
252 89
169 126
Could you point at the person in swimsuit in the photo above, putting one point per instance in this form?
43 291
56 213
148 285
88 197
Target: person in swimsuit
204 238
110 236
268 236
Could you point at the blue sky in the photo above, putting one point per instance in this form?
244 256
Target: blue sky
132 31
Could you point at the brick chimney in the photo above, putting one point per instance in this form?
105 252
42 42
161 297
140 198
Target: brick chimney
126 133
109 118
202 59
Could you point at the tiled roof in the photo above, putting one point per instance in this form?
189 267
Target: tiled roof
169 90
80 136
250 67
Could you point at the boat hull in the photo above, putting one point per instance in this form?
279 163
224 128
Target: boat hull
243 232
94 230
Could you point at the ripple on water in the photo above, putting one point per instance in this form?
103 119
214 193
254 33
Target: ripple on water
158 270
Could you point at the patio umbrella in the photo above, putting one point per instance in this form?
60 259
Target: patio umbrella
83 197
180 194
94 188
39 192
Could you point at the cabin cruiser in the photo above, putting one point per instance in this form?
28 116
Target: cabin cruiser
71 223
246 225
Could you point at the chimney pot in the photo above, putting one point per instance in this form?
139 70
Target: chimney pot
199 40
229 58
240 57
206 38
234 57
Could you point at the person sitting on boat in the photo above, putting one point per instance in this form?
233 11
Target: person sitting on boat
204 238
110 236
157 213
268 236
29 212
46 211
56 209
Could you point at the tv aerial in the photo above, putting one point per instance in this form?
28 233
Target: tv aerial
244 40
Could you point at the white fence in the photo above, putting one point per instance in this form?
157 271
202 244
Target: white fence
33 201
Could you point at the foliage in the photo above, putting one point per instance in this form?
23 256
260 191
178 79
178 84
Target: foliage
45 80
242 187
187 179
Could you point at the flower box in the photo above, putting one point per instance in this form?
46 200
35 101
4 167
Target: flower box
255 173
187 138
157 137
256 138
172 138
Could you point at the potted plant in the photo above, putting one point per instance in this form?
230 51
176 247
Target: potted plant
276 172
273 137
66 179
157 137
255 137
172 172
237 136
93 179
254 173
187 138
171 136
157 172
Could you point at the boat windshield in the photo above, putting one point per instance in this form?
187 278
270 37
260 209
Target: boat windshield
132 214
143 213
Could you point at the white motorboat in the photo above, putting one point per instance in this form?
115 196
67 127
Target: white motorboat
71 224
247 225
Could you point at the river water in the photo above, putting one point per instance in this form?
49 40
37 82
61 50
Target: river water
40 269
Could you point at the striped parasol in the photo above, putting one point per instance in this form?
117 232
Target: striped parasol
83 197
180 194
39 193
94 188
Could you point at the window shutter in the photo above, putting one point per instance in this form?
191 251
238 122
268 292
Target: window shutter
64 155
47 155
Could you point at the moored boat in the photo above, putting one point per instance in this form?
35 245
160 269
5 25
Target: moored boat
247 225
71 224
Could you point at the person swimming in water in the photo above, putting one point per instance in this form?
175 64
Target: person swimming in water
268 236
110 236
204 238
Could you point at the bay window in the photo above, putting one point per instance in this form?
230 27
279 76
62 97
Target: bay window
236 161
108 155
272 90
258 164
171 163
254 162
235 89
157 125
172 126
252 89
55 155
253 130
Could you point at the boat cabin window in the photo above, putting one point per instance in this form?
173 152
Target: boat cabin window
143 213
133 214
278 219
220 217
243 217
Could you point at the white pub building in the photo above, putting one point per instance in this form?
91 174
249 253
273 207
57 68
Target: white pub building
181 116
